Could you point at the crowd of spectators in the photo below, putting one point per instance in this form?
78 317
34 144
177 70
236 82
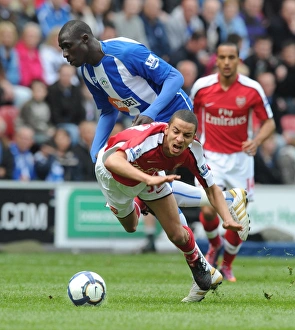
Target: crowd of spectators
48 117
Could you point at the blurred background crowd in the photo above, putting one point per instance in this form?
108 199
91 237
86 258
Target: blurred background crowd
48 117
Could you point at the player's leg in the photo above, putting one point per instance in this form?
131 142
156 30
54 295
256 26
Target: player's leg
118 197
187 195
232 245
231 241
210 221
166 211
150 230
208 216
205 277
150 221
194 196
126 210
239 176
196 294
170 223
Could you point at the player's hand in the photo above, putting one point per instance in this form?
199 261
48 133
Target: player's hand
232 225
250 147
140 120
158 180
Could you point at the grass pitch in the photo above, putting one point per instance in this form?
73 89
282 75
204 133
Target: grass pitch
144 292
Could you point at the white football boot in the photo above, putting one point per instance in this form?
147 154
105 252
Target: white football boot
196 294
238 211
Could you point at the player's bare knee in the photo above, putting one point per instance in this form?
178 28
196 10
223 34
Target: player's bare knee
129 226
177 238
209 213
131 229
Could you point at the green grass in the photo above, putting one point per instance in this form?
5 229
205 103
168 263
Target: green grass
144 293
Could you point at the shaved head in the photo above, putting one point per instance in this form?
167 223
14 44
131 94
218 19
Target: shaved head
76 28
78 44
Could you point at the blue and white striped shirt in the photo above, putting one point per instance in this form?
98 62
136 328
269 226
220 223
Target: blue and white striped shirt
133 80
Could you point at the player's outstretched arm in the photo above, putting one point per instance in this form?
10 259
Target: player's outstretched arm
104 128
171 86
217 200
117 163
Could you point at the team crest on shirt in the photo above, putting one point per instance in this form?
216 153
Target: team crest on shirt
113 209
152 62
104 82
240 101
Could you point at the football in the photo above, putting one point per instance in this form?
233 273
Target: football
87 288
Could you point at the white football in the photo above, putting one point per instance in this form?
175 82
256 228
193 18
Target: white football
87 288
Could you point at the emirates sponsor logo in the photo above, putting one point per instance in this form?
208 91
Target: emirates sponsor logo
225 121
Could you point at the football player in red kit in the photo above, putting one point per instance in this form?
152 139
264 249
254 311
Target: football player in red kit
133 163
224 103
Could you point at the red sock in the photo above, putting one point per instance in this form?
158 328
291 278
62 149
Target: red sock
211 226
189 249
234 239
228 259
137 209
140 203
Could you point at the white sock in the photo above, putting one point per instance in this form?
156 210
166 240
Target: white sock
187 195
182 217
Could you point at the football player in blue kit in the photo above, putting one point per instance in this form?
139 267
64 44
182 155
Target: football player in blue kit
124 76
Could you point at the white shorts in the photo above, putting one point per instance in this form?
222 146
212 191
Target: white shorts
232 171
120 197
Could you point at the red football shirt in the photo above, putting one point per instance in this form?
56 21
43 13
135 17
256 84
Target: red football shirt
225 117
143 146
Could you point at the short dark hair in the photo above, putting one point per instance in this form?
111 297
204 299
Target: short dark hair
231 44
185 115
234 38
77 28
